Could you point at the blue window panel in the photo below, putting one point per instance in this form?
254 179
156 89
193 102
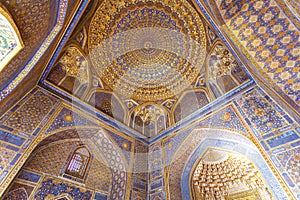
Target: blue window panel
283 139
29 176
11 138
288 180
156 185
12 148
15 159
288 119
139 185
99 196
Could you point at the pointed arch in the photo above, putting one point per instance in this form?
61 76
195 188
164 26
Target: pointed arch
78 162
179 171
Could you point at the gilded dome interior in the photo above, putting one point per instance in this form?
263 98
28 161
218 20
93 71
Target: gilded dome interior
150 99
147 50
147 64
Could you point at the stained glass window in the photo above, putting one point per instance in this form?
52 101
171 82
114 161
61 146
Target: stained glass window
78 163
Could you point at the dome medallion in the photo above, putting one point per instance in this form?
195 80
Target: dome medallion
147 50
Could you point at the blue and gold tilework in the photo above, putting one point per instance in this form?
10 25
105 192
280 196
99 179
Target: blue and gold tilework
276 132
19 127
69 118
261 112
19 191
140 171
31 16
29 115
52 188
290 160
270 38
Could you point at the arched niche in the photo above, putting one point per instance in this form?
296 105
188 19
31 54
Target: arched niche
149 119
10 38
106 155
224 175
223 71
71 72
189 102
187 155
108 103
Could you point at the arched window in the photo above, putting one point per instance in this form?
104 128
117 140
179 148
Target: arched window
78 162
10 39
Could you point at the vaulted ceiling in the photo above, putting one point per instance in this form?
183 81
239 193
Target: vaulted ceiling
151 64
146 64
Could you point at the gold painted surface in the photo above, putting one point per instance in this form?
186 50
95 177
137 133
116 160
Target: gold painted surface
218 173
147 50
246 195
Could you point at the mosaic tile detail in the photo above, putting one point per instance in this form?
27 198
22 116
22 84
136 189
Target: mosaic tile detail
116 164
53 188
270 38
226 118
99 175
17 194
155 161
69 118
51 160
293 168
29 176
42 49
257 108
99 196
11 138
31 113
294 5
6 156
140 171
290 160
282 139
156 171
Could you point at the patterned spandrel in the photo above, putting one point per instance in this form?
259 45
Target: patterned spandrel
30 114
262 113
270 38
290 161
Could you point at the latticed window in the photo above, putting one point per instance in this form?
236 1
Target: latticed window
78 163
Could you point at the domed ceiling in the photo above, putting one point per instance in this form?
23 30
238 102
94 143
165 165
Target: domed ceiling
147 64
147 50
